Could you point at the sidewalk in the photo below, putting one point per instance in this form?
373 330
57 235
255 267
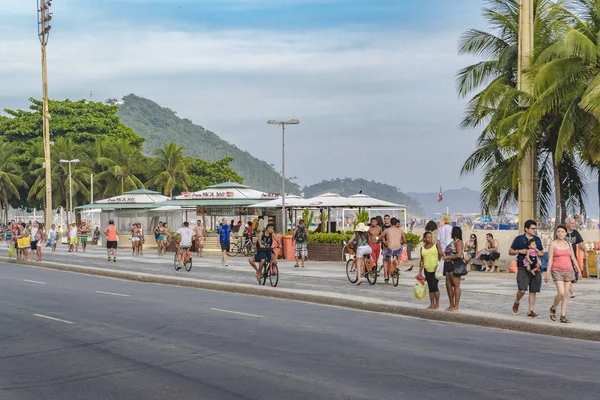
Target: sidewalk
484 295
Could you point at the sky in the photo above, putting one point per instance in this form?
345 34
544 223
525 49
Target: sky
371 81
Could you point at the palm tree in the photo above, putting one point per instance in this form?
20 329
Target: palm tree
121 162
170 169
64 148
498 110
10 175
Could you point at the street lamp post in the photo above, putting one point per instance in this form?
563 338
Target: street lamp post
283 124
528 168
76 160
43 33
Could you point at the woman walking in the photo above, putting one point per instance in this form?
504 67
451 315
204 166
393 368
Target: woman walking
560 268
431 253
454 254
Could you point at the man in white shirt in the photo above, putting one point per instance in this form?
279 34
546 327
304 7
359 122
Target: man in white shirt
186 236
445 232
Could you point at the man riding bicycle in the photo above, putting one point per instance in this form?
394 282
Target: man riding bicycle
186 236
264 250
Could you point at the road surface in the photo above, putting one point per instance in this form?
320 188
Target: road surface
71 336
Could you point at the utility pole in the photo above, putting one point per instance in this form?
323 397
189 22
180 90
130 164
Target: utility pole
528 168
44 33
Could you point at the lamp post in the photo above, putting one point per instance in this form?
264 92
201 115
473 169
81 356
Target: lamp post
44 17
283 124
527 169
76 160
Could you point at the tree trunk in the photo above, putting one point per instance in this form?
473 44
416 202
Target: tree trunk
557 191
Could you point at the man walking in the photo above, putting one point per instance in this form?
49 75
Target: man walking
526 280
225 240
394 240
576 240
300 243
112 240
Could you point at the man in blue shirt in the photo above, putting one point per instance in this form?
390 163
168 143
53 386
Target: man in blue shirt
225 240
525 279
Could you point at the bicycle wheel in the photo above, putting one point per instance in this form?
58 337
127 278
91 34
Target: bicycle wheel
176 263
351 271
188 264
396 278
265 274
235 250
372 275
273 275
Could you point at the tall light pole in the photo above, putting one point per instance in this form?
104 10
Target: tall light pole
70 187
283 124
528 168
44 33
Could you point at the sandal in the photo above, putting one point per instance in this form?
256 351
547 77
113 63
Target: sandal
564 320
296 266
553 314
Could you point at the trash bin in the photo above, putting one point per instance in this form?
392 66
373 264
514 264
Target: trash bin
288 247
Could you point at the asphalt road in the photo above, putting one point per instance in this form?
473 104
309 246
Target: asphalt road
70 336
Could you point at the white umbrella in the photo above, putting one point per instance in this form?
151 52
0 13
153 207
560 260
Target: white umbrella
362 200
328 200
291 201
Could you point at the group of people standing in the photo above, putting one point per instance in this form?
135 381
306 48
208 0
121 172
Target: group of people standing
444 247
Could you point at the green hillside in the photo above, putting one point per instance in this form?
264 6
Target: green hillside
348 187
159 125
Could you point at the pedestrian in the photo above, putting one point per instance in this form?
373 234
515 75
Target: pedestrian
142 239
39 238
576 241
490 254
225 240
525 280
24 232
444 235
431 254
112 240
33 243
261 224
52 237
84 232
165 238
300 242
394 240
561 264
453 254
375 232
200 236
96 236
72 237
135 238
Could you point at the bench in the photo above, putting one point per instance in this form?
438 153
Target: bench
501 265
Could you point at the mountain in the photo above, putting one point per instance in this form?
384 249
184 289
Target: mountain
455 200
159 125
348 187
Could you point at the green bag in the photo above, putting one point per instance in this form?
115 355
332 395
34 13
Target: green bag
420 292
11 251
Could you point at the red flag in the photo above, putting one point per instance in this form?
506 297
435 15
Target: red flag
440 196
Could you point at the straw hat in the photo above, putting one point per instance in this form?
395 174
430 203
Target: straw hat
447 219
361 227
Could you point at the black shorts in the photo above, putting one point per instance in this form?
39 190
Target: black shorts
432 282
261 255
226 246
448 267
527 281
34 245
112 244
490 257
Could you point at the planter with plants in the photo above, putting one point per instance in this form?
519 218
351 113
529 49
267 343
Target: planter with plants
327 246
413 241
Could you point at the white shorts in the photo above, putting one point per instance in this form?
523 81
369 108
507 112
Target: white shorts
135 238
363 251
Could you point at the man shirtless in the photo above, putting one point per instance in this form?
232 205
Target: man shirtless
375 232
394 240
200 236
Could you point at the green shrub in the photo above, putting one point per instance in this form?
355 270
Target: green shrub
331 238
413 238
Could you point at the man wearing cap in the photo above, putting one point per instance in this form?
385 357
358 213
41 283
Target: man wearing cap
72 237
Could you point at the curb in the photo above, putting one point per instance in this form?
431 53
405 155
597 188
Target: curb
357 303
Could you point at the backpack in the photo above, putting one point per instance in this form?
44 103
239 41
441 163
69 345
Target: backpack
301 234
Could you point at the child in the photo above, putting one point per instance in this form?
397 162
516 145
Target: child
531 259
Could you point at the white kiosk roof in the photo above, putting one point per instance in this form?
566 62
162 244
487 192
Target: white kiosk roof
228 191
292 201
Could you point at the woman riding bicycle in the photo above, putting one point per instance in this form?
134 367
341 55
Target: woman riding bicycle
361 235
264 251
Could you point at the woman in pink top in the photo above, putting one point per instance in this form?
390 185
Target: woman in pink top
560 267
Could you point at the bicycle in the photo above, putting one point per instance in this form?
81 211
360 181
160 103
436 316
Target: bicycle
270 271
242 246
187 259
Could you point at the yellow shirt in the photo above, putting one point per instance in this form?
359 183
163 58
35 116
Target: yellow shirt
430 258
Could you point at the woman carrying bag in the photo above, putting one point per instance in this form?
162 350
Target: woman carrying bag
454 268
431 253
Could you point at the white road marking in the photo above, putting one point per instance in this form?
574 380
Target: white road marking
311 285
54 319
238 313
41 283
113 294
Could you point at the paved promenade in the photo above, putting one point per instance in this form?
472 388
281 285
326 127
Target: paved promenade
491 294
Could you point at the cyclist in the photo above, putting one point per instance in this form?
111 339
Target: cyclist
186 236
264 250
